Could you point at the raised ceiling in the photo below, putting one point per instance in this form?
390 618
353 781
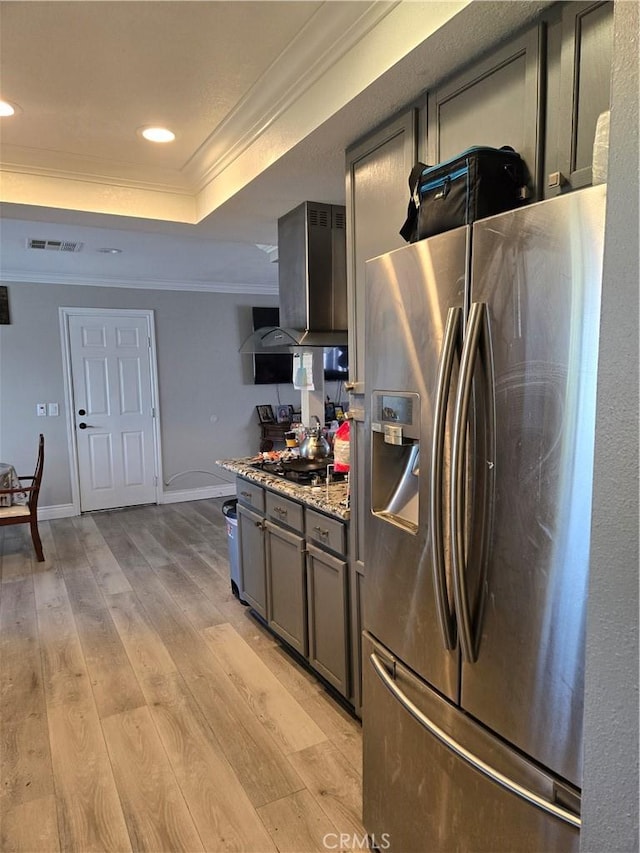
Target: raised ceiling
263 98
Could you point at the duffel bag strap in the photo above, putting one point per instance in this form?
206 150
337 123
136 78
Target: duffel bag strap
516 174
408 231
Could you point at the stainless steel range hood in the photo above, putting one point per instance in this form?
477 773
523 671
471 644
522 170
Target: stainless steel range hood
312 281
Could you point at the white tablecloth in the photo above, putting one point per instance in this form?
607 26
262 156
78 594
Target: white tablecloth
9 480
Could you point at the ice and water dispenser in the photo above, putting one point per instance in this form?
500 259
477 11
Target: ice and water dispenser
395 457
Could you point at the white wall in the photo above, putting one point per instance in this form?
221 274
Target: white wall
610 799
201 377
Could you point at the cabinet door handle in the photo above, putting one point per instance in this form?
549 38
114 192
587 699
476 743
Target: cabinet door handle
246 495
281 511
259 524
321 531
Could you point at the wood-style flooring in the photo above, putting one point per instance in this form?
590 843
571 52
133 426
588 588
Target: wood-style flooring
143 708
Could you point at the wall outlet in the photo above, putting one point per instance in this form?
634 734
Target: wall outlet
52 410
41 410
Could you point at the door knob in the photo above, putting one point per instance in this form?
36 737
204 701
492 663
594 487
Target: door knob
81 412
85 426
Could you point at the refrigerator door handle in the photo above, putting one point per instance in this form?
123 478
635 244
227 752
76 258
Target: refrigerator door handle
465 754
457 514
450 347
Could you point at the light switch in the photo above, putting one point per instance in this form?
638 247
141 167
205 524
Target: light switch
41 410
52 410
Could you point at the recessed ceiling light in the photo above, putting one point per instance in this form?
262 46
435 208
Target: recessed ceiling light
7 109
158 134
109 251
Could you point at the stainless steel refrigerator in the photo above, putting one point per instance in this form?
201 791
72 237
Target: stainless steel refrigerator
482 348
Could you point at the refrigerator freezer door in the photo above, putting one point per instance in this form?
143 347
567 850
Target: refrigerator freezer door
538 273
419 795
409 296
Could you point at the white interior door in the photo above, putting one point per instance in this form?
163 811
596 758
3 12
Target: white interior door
110 359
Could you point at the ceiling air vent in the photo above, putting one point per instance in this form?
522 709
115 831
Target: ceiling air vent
54 245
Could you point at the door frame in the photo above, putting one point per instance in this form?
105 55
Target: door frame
74 470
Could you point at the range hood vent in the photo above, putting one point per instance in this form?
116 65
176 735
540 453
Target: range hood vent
312 280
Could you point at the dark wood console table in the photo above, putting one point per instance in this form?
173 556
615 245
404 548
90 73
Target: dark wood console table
273 432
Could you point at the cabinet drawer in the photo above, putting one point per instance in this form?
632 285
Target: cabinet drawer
283 511
250 494
326 532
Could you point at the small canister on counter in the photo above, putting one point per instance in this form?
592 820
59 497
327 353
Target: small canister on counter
291 439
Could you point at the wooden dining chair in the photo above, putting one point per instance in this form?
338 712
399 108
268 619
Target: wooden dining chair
17 514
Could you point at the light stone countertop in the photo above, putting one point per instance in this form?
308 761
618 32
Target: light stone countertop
329 499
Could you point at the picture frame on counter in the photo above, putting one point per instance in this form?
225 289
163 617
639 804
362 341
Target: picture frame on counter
265 414
284 414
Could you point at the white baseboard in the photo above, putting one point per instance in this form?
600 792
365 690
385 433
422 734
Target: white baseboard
46 513
197 494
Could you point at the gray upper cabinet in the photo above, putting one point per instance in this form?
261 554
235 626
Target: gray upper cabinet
496 102
585 72
378 168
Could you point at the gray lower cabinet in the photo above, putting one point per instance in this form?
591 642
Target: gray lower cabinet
286 586
294 573
328 601
356 606
253 588
286 581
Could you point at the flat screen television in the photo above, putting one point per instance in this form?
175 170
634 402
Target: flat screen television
336 364
270 368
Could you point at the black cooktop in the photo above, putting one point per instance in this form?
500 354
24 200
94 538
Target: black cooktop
302 478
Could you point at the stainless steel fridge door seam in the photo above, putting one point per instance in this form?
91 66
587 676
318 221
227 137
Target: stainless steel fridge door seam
465 754
470 350
450 346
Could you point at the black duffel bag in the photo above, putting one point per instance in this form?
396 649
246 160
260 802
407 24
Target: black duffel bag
479 182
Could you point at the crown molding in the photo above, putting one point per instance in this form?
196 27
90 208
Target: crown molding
338 54
72 192
328 35
17 276
79 167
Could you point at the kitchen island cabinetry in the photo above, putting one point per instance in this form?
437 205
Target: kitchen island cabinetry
327 597
253 588
251 527
285 564
294 570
